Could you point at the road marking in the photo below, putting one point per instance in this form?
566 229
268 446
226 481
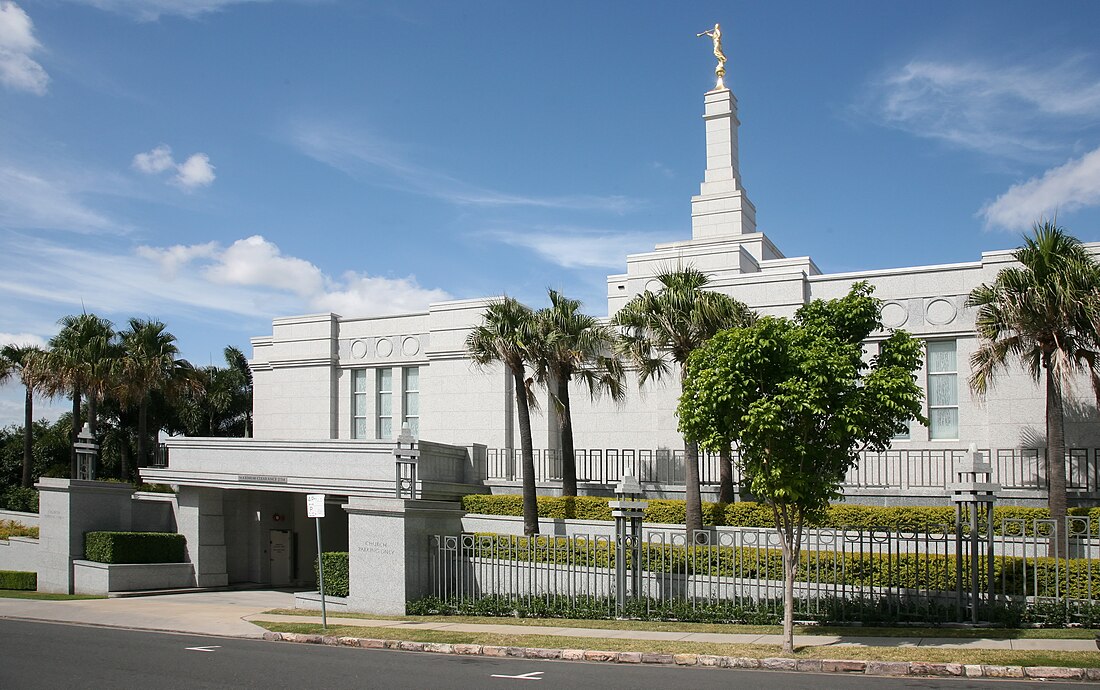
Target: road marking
533 675
203 649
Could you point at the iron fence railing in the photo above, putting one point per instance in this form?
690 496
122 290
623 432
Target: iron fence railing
843 574
1013 468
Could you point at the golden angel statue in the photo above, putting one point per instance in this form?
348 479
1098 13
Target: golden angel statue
716 35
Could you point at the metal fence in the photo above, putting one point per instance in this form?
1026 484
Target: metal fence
1013 468
843 574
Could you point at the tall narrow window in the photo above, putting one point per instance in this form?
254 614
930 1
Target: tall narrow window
943 390
411 402
385 403
359 403
902 435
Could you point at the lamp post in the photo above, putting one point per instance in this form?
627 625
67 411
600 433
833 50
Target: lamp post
86 450
627 511
971 492
405 460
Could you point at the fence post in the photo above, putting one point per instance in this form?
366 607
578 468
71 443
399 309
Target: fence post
971 492
627 510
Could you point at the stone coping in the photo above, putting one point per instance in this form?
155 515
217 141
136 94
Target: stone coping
849 666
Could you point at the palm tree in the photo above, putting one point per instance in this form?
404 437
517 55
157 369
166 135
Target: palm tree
23 359
669 325
1044 314
220 406
572 345
76 363
150 363
238 362
506 335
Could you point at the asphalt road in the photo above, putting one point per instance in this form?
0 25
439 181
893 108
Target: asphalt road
58 656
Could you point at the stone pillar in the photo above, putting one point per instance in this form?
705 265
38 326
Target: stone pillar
721 207
68 508
200 518
389 544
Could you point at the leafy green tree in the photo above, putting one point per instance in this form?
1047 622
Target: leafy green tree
801 403
151 363
506 335
573 346
221 405
1043 314
237 361
22 360
78 361
668 325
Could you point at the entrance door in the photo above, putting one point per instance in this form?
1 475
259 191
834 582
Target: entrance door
280 550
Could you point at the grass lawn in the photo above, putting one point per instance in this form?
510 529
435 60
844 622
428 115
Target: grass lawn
44 596
669 626
961 656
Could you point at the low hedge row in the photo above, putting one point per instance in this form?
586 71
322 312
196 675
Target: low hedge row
336 573
11 528
135 547
1043 577
750 514
19 579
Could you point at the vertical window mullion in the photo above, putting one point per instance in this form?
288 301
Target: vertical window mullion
384 388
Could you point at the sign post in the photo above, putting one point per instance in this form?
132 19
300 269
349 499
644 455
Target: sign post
315 508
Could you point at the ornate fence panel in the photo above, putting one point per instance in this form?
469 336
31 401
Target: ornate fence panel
1015 469
736 573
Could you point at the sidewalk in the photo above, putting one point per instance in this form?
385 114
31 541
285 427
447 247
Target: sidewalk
233 613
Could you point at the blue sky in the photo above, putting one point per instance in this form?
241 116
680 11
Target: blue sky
215 163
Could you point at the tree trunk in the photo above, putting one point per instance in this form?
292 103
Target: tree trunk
530 500
1056 460
725 468
124 455
28 438
790 569
568 455
693 502
93 412
142 438
73 434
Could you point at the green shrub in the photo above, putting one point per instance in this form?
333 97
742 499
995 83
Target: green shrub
18 579
337 583
918 519
135 547
19 499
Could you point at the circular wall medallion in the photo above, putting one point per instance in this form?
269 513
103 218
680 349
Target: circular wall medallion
654 285
410 346
358 349
384 347
894 314
940 312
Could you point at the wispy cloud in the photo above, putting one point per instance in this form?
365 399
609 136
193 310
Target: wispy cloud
49 201
191 174
579 247
17 70
22 339
1019 112
1066 188
152 10
374 159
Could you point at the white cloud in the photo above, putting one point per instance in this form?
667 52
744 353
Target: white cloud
252 276
194 172
31 200
22 339
17 70
577 247
1065 188
152 10
1011 111
156 161
361 155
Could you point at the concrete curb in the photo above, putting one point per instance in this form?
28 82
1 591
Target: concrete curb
866 668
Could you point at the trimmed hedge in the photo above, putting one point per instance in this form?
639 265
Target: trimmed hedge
336 573
1043 577
19 579
749 514
24 500
135 547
